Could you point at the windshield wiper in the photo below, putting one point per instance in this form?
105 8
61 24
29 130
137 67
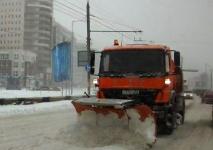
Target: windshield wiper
147 74
112 74
137 73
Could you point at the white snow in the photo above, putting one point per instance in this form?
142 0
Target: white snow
80 136
117 129
29 93
147 129
11 110
85 132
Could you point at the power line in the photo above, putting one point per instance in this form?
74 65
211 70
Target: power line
115 22
126 31
98 20
70 15
101 25
79 18
110 15
68 11
64 12
76 6
75 10
110 27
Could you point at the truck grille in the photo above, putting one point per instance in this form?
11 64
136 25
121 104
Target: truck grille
143 96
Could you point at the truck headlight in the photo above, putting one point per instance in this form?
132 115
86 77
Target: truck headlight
95 82
168 81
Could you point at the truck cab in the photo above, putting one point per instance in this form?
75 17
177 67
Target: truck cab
147 73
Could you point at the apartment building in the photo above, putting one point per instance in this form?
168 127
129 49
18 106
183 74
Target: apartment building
26 26
17 69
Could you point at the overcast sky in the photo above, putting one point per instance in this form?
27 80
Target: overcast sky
184 25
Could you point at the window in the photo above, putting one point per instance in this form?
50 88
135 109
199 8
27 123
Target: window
144 62
16 56
15 73
15 64
4 56
167 63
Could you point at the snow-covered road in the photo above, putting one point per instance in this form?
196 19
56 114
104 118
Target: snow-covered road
30 93
53 126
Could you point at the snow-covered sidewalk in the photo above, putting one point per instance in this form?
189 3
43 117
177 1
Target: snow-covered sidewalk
30 93
11 110
54 126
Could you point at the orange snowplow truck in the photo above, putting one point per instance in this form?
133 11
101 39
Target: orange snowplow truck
144 78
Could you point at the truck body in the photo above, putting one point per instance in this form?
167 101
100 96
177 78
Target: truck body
140 75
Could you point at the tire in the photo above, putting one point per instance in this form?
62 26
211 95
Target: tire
183 113
212 113
170 122
181 109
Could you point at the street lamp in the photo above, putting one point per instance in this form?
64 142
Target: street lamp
72 47
211 78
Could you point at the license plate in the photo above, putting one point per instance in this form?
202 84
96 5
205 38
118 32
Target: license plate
130 92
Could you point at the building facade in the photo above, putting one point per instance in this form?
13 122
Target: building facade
12 24
17 69
38 29
26 26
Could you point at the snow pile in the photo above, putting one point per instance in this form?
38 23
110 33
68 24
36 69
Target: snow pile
93 131
30 93
147 129
90 118
11 110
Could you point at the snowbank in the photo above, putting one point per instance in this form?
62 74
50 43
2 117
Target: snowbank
11 110
78 136
29 93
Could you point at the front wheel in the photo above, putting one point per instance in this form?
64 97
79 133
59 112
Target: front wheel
212 113
180 110
170 122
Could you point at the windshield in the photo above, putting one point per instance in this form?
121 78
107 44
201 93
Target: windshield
143 62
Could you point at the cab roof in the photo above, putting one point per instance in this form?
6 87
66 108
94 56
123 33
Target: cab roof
138 47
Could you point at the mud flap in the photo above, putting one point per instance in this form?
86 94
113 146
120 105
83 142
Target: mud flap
138 119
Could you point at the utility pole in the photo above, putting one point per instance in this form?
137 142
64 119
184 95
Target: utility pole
88 46
89 40
211 79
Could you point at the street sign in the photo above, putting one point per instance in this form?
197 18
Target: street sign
87 67
82 58
61 62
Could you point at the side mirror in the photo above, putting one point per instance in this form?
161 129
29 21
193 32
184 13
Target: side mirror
177 58
92 62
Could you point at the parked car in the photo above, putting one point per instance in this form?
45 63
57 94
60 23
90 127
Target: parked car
188 95
207 97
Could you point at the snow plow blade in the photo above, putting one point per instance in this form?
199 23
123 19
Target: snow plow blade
118 112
